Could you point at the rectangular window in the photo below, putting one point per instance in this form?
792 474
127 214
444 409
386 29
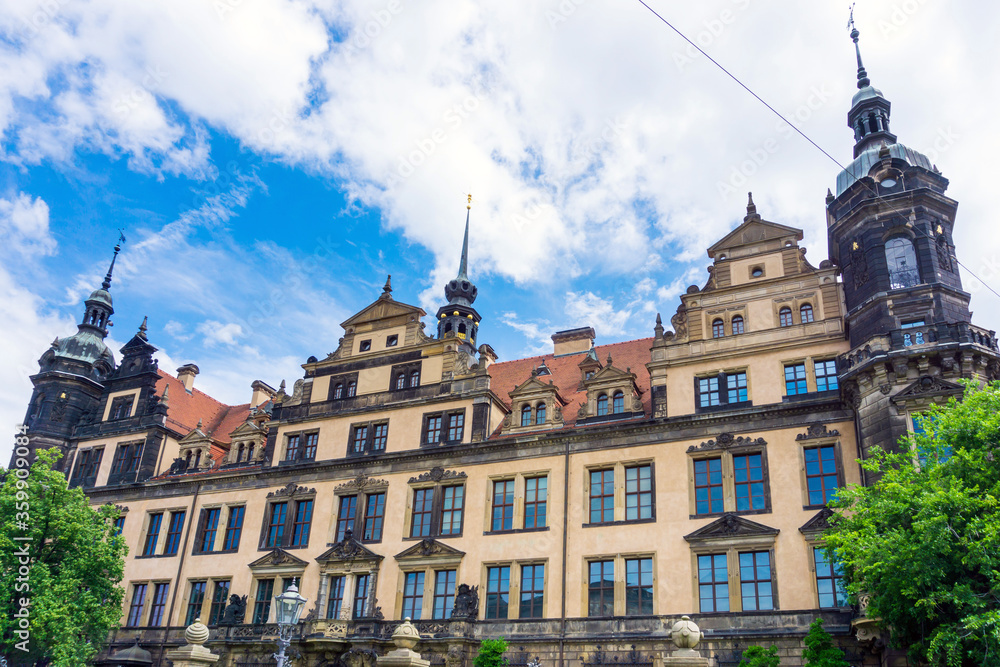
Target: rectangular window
303 518
423 511
826 375
532 591
602 496
292 451
451 511
276 526
345 516
152 534
360 438
88 464
444 593
708 392
497 591
829 580
119 525
413 595
639 492
336 599
535 496
234 528
638 586
262 603
374 517
601 589
821 474
748 472
174 533
133 454
795 379
121 407
361 584
736 386
209 528
713 583
433 435
708 486
159 604
138 603
503 505
380 436
755 581
195 600
220 597
309 450
456 427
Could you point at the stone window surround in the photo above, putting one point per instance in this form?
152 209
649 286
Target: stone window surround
362 488
351 571
810 362
723 392
147 603
161 539
726 453
514 591
795 303
302 444
134 393
445 415
290 494
369 438
619 468
429 566
427 481
814 540
206 602
225 511
838 456
519 496
619 565
726 315
733 547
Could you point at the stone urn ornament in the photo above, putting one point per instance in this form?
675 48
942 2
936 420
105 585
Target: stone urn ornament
685 635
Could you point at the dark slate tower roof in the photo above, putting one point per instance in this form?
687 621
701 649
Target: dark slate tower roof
458 318
461 290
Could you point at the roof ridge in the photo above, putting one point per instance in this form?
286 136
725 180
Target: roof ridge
554 356
165 374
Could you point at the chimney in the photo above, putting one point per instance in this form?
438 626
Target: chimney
573 341
262 393
487 356
186 375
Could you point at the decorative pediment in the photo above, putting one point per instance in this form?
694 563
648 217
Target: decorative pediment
195 436
725 441
429 548
730 525
928 387
278 558
292 490
610 375
437 474
819 523
361 483
247 429
816 431
752 233
348 549
535 387
383 309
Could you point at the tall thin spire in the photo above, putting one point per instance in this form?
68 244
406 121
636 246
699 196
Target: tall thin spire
863 79
106 285
463 266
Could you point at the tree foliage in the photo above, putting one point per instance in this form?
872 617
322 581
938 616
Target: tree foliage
820 651
924 541
758 656
491 653
76 564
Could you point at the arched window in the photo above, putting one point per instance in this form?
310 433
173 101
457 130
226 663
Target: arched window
250 453
401 381
352 388
338 391
806 313
197 458
618 403
737 324
718 328
540 414
902 263
526 415
602 404
187 459
447 327
461 327
415 378
873 122
239 453
785 317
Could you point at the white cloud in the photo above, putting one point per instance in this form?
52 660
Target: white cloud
214 333
24 227
588 309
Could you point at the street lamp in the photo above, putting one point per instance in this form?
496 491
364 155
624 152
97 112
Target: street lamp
288 608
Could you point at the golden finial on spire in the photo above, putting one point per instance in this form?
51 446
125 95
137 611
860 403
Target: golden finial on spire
469 204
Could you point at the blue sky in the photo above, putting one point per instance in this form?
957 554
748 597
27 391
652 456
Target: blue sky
272 160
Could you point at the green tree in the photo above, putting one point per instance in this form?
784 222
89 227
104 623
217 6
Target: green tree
491 653
758 656
62 557
820 651
924 541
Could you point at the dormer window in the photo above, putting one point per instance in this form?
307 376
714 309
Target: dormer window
540 414
602 405
718 328
618 403
526 415
121 407
588 375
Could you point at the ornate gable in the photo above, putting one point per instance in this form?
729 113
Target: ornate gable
730 526
925 390
437 474
195 449
725 441
819 523
278 559
292 490
383 312
605 383
541 399
755 234
348 549
246 442
363 484
430 549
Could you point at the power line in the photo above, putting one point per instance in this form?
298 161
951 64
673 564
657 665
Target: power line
800 132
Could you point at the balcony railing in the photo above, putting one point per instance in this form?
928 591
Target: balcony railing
903 278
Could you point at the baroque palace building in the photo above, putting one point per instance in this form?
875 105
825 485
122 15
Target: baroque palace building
576 503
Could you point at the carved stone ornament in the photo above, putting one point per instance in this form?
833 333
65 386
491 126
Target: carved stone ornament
885 388
582 412
291 490
235 611
362 483
727 441
685 633
466 603
817 430
436 474
859 263
730 525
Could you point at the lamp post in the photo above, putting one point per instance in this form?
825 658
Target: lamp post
288 608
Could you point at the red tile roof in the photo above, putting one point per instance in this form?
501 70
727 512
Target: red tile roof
566 375
185 410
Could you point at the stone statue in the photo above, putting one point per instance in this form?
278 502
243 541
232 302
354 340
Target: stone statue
235 611
466 603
